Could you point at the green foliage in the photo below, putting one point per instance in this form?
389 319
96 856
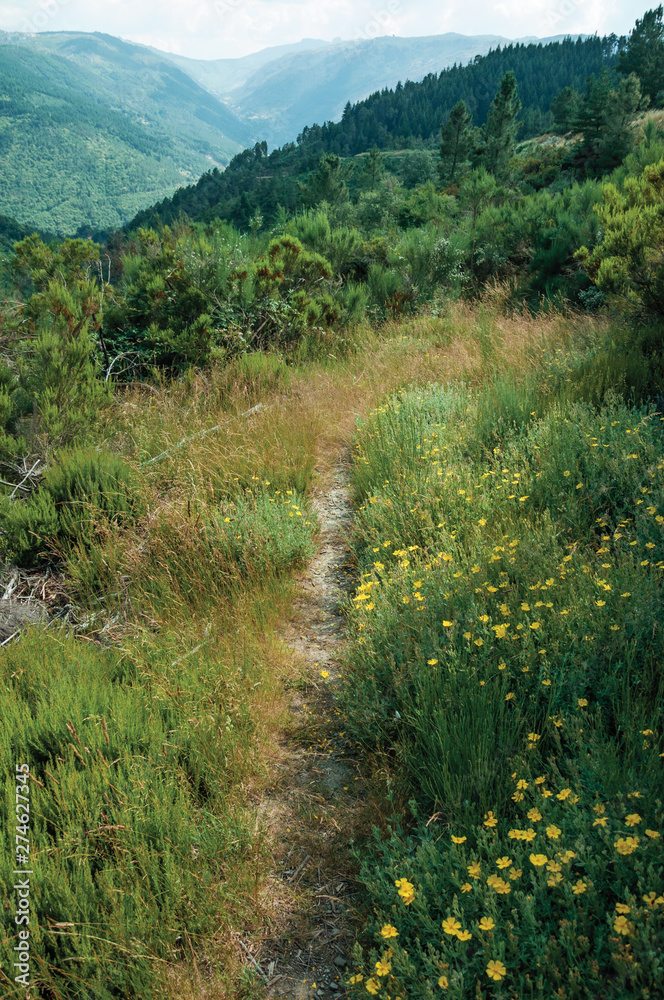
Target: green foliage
628 261
58 340
511 550
606 115
175 297
327 183
500 130
406 118
132 758
373 168
96 129
644 54
81 494
458 142
565 108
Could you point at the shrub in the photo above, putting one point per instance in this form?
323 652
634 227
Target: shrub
81 490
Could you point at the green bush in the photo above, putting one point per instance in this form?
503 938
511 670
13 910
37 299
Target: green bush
506 623
82 490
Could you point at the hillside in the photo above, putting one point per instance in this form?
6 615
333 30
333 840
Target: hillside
134 126
405 117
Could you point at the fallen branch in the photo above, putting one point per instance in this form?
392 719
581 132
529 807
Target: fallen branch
201 434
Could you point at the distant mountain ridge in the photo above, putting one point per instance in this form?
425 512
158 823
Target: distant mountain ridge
94 128
278 91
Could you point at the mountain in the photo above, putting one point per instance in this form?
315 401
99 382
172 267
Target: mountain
93 128
222 76
277 91
409 116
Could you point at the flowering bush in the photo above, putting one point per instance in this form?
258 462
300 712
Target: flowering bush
507 655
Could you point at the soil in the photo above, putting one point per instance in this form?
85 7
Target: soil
317 803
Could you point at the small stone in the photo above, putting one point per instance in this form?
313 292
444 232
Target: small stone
340 961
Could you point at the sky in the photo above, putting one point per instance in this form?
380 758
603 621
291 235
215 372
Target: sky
216 29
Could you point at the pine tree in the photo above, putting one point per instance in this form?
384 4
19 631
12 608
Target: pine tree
372 169
605 118
501 127
326 184
457 144
644 54
565 108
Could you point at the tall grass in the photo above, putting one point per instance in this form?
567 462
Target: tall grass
507 662
150 724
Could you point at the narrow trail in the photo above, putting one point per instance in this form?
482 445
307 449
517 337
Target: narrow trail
317 802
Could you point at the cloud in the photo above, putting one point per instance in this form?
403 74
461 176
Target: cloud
211 29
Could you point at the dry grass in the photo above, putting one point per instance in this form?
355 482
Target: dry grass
307 418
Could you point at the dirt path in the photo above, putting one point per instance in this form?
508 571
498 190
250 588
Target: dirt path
317 803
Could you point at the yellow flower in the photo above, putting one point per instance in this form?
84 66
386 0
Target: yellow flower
383 968
504 862
502 887
451 926
490 820
535 625
388 931
466 887
515 873
567 856
432 663
533 737
564 794
626 845
443 983
521 784
475 869
487 924
600 821
464 935
540 781
553 832
528 835
479 642
496 971
458 840
582 702
600 604
653 834
554 879
621 925
467 635
525 606
622 908
325 673
356 979
579 887
406 890
447 624
632 820
500 630
508 697
538 860
534 815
